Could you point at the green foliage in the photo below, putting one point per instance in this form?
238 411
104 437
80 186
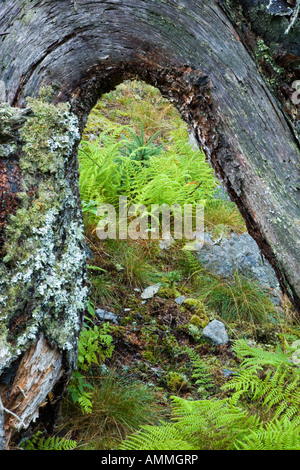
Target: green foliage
100 175
199 425
138 149
201 374
221 215
269 379
90 207
51 443
95 344
120 407
106 174
135 269
229 423
77 390
277 435
133 158
239 298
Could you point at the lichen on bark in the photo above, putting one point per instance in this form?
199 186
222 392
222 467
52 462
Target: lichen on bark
43 263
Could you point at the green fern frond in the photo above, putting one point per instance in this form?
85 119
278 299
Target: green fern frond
276 435
256 358
268 379
202 424
165 437
272 385
50 443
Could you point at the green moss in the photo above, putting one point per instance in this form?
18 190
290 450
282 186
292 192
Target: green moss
176 382
200 314
149 356
191 303
168 292
199 322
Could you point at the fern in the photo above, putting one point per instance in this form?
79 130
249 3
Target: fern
50 443
94 346
106 173
276 435
256 358
78 393
270 380
95 343
202 424
215 425
139 149
165 437
200 372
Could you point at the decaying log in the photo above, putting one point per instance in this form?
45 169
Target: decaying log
231 82
39 371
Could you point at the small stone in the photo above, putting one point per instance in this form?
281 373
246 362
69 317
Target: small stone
179 300
104 315
227 372
166 241
216 331
150 291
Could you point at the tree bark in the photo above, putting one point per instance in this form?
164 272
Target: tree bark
230 78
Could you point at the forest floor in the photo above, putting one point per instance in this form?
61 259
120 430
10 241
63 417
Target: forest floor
148 350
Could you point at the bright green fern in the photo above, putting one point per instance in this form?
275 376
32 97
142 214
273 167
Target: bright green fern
261 413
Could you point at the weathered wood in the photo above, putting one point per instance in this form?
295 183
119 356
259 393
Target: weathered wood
213 71
40 370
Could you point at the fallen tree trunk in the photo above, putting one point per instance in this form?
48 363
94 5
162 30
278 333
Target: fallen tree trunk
202 57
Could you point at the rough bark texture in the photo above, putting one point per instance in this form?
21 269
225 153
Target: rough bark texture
231 81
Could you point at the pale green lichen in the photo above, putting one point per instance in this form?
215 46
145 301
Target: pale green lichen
42 270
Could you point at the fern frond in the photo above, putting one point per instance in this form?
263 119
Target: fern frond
256 358
268 379
165 437
56 443
276 435
50 443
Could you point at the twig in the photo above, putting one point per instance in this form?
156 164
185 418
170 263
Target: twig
294 16
2 408
198 185
81 149
22 391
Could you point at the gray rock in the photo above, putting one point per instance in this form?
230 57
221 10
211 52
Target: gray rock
239 253
179 300
104 315
150 291
220 193
227 372
216 332
166 241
